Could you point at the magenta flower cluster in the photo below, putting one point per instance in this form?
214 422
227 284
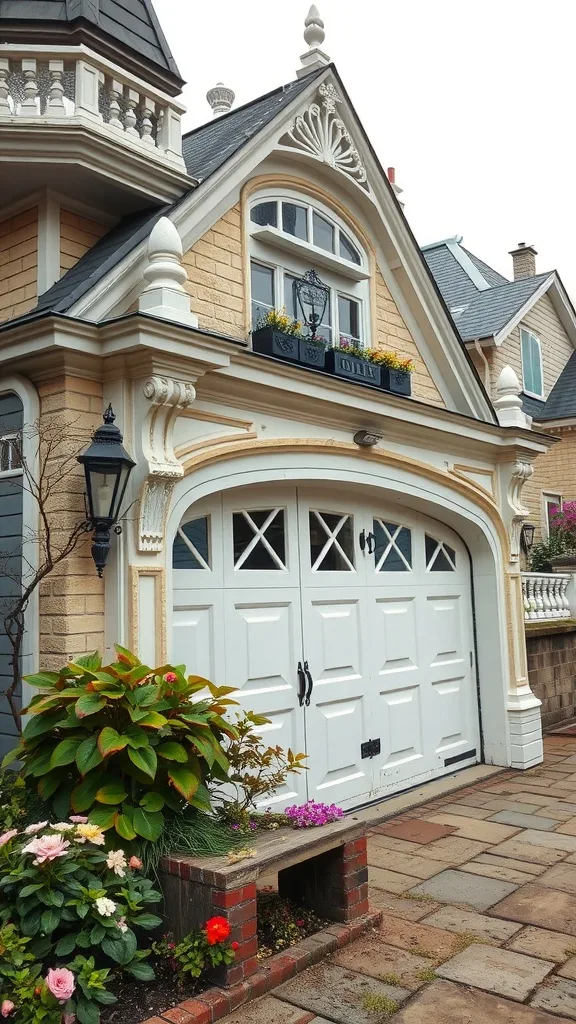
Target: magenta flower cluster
311 814
564 518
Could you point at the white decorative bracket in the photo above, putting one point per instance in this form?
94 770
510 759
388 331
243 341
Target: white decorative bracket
167 398
520 473
321 134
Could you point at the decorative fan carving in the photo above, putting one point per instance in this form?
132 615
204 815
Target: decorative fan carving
320 133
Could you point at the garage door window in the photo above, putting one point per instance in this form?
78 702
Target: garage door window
393 547
331 541
259 539
440 557
191 549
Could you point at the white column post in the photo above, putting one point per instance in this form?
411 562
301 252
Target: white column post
5 108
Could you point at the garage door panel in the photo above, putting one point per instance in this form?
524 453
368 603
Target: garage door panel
334 631
262 643
448 635
401 719
339 772
285 729
197 622
394 638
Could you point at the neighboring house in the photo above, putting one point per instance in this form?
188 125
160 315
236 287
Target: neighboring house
264 538
530 324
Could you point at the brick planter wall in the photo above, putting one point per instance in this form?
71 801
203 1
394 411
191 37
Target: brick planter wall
551 650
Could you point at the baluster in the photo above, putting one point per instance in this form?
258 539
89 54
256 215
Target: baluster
28 106
565 603
148 108
538 598
130 119
55 105
525 597
5 108
116 91
551 589
532 598
557 580
544 583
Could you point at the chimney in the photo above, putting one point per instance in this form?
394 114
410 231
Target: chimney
524 261
391 175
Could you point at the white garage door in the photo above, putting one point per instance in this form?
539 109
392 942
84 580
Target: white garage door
347 623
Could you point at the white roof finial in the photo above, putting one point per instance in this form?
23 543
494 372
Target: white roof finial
314 35
220 99
165 295
508 404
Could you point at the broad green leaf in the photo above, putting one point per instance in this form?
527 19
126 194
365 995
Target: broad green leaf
92 661
12 755
148 824
42 679
66 945
97 934
130 658
147 921
39 764
49 784
87 1012
61 801
89 704
29 889
144 759
184 780
173 751
205 744
226 727
201 799
110 741
144 696
65 752
50 920
105 817
84 795
111 793
124 827
153 720
152 802
143 972
43 723
88 755
100 995
136 736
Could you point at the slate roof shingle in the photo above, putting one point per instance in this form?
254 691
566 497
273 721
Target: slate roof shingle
454 283
489 312
561 402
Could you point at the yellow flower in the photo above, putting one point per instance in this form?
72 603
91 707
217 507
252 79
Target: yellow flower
90 834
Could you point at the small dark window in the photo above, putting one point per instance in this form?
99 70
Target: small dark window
294 220
331 541
10 453
265 214
259 539
262 285
323 233
191 549
440 557
349 318
347 250
393 547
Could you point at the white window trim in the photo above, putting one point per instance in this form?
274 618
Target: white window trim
532 394
547 498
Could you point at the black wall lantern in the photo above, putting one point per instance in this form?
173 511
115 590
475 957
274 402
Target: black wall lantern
312 296
107 467
527 538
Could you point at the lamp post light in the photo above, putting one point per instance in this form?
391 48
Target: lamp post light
527 538
312 296
107 467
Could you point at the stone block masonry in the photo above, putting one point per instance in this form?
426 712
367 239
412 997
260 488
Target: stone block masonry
551 650
18 264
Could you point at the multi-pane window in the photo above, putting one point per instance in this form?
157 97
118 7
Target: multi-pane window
331 541
440 557
392 547
303 221
532 364
259 539
191 548
552 505
263 290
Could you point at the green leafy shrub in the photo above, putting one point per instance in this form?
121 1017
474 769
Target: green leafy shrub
124 742
282 923
16 803
558 543
198 951
64 896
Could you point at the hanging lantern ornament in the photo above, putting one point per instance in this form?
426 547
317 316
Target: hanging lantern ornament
312 296
107 467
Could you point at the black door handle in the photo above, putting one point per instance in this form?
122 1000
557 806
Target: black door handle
362 539
302 684
371 543
310 684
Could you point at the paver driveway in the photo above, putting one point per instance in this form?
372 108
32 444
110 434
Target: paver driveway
478 890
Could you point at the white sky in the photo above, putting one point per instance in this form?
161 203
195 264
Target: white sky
473 103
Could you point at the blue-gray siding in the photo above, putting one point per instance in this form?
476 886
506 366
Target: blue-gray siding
11 419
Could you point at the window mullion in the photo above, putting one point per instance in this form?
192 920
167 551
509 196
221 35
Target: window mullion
309 214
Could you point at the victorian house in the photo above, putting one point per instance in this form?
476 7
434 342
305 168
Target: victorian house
340 544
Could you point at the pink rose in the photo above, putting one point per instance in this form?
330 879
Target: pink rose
78 819
7 836
47 848
68 1018
61 983
7 1007
135 863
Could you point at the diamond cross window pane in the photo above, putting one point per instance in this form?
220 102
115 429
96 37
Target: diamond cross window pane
331 541
393 547
191 545
259 539
440 557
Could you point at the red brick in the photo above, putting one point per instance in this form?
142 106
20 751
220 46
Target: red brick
249 929
226 897
249 892
259 982
199 1011
217 1001
154 1020
239 994
250 966
245 912
185 871
360 860
234 975
350 850
247 949
178 1016
360 909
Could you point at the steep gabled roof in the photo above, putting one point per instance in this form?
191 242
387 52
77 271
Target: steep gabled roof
561 402
488 312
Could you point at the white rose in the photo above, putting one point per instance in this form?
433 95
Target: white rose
105 907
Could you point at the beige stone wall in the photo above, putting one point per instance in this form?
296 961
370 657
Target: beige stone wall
555 473
215 266
77 235
18 263
556 347
392 333
72 596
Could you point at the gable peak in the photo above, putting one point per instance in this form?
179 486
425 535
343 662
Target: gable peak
314 36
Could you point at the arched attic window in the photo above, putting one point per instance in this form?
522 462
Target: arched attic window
289 235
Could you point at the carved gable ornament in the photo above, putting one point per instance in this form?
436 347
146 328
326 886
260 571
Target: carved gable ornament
321 134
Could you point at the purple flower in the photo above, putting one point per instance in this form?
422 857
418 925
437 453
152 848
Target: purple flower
312 814
235 827
253 825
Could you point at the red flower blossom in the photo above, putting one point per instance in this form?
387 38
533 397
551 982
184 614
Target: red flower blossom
300 923
217 930
170 677
235 946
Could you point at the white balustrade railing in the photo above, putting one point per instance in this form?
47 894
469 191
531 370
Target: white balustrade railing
44 84
545 595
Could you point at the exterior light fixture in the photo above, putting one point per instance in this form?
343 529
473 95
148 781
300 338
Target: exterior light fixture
367 438
527 538
107 467
312 296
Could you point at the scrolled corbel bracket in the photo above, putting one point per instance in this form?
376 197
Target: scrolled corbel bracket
520 472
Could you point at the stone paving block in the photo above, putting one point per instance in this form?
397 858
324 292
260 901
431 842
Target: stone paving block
558 811
496 970
538 905
533 854
561 876
502 871
469 828
394 966
445 1003
543 943
510 862
559 996
466 810
553 840
509 817
474 800
391 860
569 827
539 799
460 887
420 938
453 850
468 922
507 804
267 1009
390 881
398 845
568 970
410 909
339 994
416 830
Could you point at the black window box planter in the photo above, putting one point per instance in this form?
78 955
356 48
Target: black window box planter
399 382
286 346
352 368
